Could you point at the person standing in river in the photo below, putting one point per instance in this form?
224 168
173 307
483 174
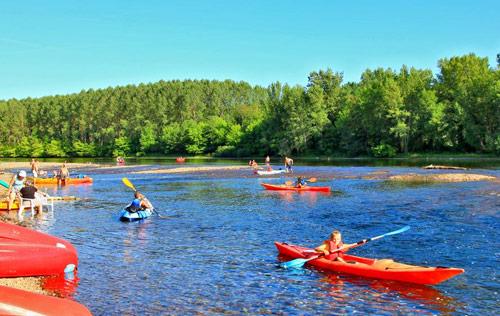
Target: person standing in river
288 164
63 174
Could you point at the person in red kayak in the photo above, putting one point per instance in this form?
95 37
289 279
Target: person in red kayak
300 182
329 246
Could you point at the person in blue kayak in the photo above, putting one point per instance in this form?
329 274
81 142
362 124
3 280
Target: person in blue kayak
329 246
139 203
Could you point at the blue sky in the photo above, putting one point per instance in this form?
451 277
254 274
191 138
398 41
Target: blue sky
64 46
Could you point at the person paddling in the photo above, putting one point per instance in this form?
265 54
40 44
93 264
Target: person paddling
139 203
330 245
300 182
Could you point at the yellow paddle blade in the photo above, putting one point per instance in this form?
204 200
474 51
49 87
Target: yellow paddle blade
312 180
289 183
128 183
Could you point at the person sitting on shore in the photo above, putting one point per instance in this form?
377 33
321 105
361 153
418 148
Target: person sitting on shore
30 192
329 247
139 203
15 186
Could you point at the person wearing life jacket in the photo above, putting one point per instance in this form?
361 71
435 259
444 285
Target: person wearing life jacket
139 203
300 182
330 245
16 184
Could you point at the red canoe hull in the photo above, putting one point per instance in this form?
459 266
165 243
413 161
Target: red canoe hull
21 259
15 233
19 302
371 268
273 187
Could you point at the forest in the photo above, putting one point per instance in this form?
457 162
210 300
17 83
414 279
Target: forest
386 113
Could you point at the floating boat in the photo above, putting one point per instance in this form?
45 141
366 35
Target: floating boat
15 233
19 302
282 187
268 173
66 181
126 216
26 259
180 159
386 269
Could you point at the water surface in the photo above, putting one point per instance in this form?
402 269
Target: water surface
215 254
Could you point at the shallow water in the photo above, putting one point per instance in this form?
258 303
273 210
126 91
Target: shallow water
215 254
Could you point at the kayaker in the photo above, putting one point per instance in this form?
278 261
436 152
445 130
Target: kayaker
268 160
288 164
139 203
335 242
15 186
300 182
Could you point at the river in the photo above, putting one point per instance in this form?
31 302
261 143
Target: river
215 255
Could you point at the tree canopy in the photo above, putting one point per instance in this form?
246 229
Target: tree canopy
386 112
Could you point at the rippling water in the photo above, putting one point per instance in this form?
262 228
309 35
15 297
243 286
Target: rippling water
215 254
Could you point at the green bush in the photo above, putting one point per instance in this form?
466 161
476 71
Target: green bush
383 151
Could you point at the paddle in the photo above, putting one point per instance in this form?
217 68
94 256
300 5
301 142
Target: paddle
311 180
297 263
130 185
4 184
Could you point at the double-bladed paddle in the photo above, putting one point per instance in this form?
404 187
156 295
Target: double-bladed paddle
297 263
130 185
311 180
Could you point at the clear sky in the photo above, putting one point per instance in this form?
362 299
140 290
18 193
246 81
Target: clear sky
63 46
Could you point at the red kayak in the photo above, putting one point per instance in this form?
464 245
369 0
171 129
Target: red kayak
282 187
21 259
385 269
19 302
15 233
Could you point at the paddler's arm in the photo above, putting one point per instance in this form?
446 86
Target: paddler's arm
322 249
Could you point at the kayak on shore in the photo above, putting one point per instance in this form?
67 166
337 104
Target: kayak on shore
16 233
19 302
126 216
66 181
24 259
282 187
386 269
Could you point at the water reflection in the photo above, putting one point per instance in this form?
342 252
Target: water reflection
344 288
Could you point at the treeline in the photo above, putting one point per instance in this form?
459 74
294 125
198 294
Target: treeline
385 113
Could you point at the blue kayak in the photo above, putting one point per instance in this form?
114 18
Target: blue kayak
126 216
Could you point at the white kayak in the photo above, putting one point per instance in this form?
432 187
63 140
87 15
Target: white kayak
268 173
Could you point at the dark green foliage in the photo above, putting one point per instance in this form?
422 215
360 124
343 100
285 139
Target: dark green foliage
385 113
